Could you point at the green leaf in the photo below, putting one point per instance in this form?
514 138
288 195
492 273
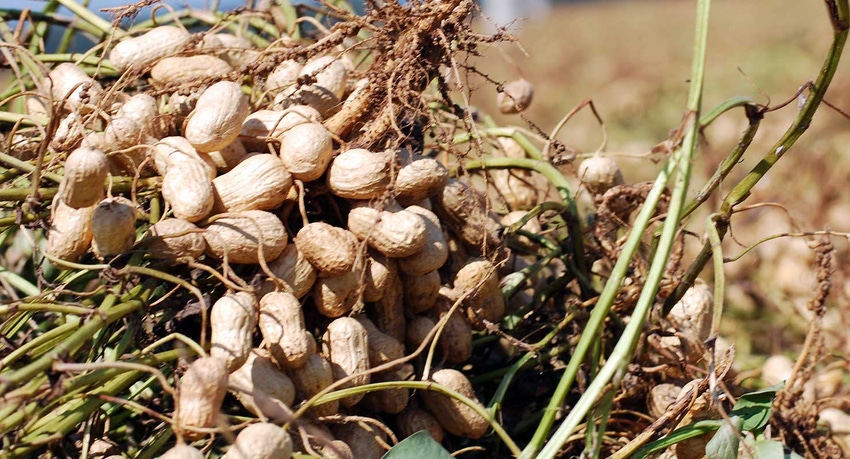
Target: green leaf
755 407
724 444
690 431
418 446
769 449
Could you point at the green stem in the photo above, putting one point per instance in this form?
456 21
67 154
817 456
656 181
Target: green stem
92 18
839 15
51 335
621 354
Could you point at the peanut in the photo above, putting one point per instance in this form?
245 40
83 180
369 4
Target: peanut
238 237
456 417
433 254
314 376
346 346
282 325
360 174
113 226
232 320
174 238
201 393
261 441
262 388
187 187
218 117
269 183
85 173
395 234
330 249
145 49
70 232
306 150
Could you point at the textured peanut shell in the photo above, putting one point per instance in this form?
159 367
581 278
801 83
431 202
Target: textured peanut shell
235 50
420 292
337 295
187 188
218 117
455 417
201 393
329 72
261 387
395 234
239 234
382 347
113 226
174 238
145 49
232 321
68 82
184 69
485 302
420 179
176 145
70 232
515 97
182 452
360 174
324 101
388 312
283 329
434 253
85 173
135 123
346 346
258 182
456 339
292 268
306 150
283 76
390 401
330 249
412 420
314 376
228 157
262 440
465 211
361 438
380 271
600 173
264 125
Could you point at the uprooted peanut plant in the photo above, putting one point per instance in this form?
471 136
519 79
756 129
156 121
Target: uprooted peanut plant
283 232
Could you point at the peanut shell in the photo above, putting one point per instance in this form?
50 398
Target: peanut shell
261 387
360 174
346 346
456 417
113 226
232 321
306 150
395 234
263 440
238 236
269 183
174 238
218 117
85 174
330 249
282 325
141 51
201 393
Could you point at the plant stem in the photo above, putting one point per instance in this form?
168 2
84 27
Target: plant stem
839 15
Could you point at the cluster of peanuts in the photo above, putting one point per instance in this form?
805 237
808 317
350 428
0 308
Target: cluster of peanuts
229 174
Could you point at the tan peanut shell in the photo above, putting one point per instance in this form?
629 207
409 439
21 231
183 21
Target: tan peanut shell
262 440
200 395
420 292
71 84
395 234
380 270
70 232
346 346
323 100
284 75
480 276
292 268
330 249
261 387
113 226
236 51
412 420
388 312
456 339
238 236
228 157
145 49
329 72
456 417
463 209
693 314
515 97
85 174
217 117
306 150
382 347
283 329
232 321
422 178
360 174
187 188
361 438
417 330
390 401
600 173
337 449
314 376
182 452
264 125
174 238
185 69
176 145
69 133
258 182
135 123
337 295
434 252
